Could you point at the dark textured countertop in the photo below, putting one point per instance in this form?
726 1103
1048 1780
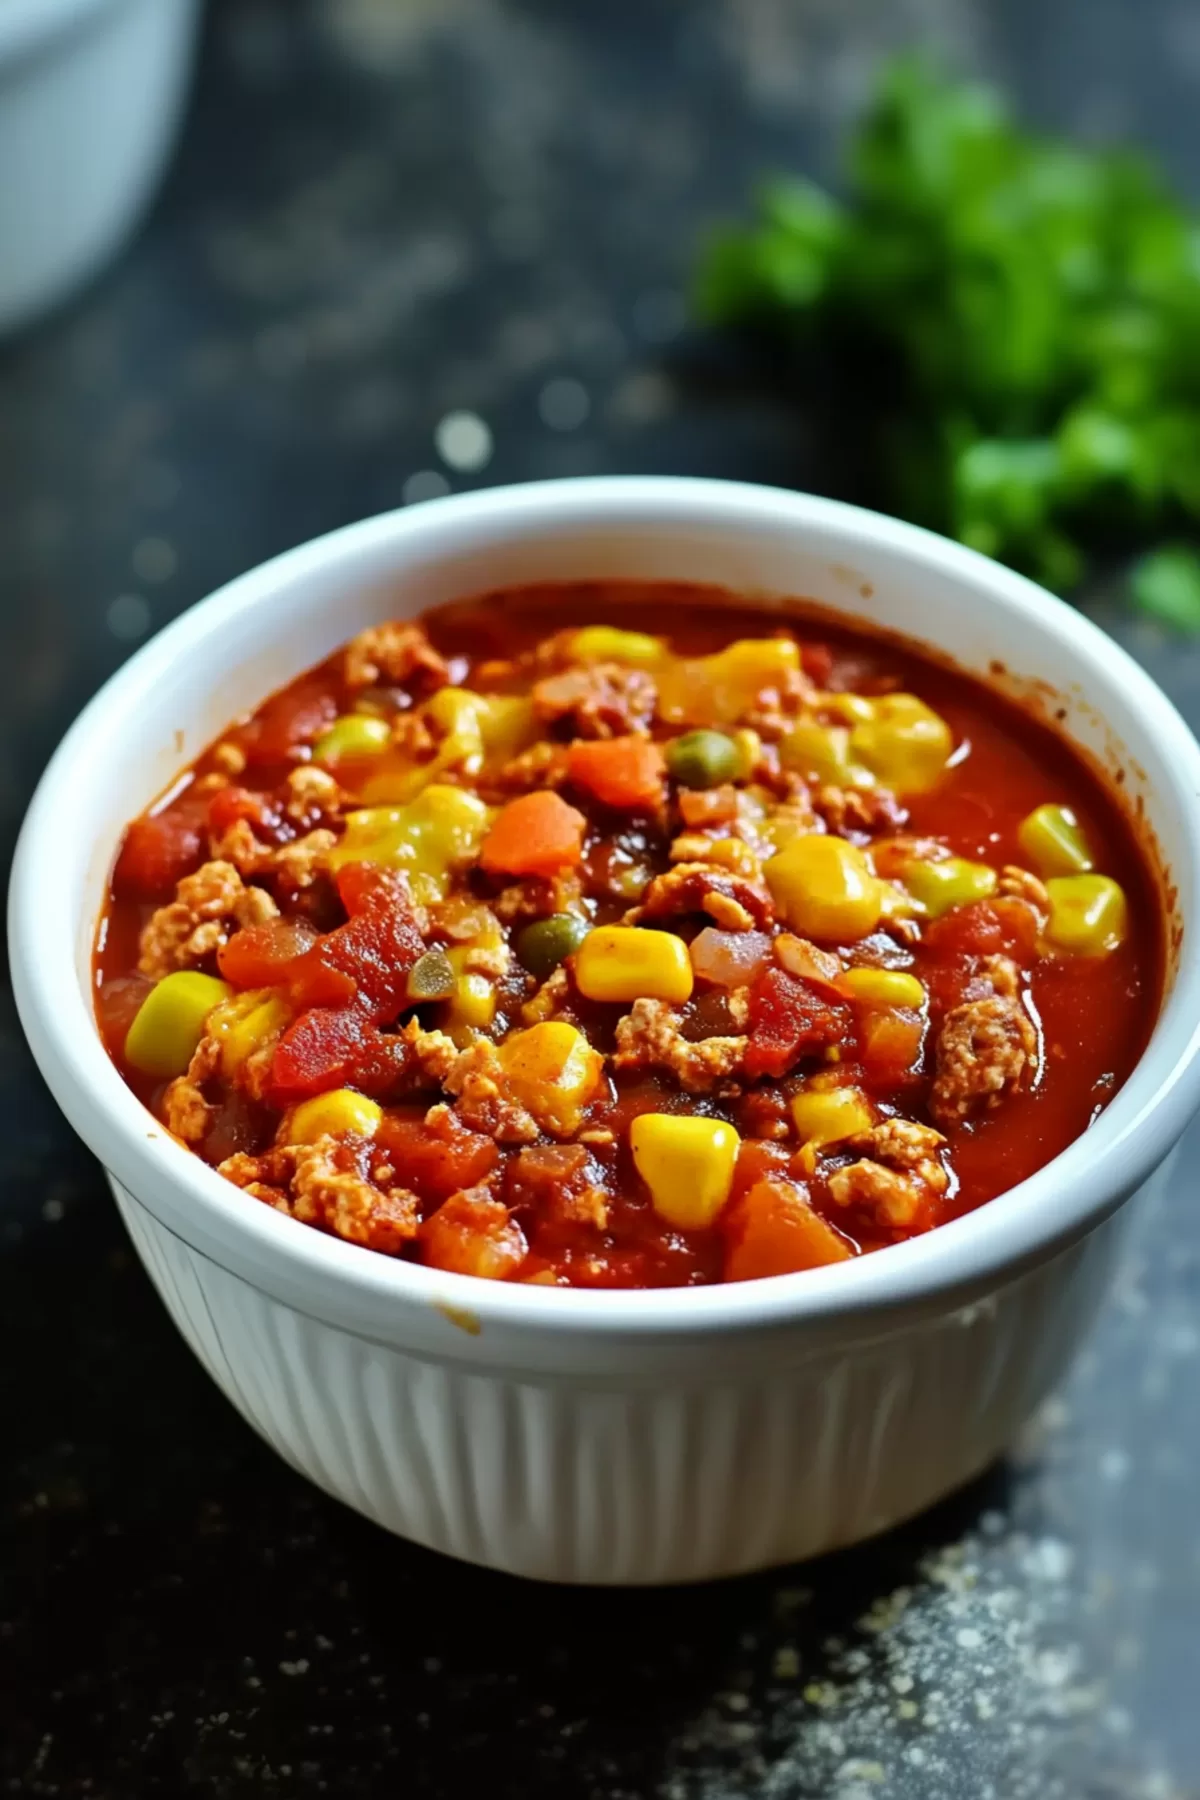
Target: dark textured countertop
386 212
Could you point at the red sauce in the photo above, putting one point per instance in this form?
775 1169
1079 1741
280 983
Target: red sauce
517 1199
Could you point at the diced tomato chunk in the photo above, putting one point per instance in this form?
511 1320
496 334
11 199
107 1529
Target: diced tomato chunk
1004 927
757 1160
817 662
790 1019
158 851
333 1047
294 717
117 1005
262 955
368 958
435 1160
473 1234
229 805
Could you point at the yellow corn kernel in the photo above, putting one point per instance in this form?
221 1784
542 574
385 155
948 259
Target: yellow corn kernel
1088 914
823 753
352 737
335 1114
825 1116
438 832
472 1006
244 1023
507 724
687 1163
553 1071
748 745
851 709
940 885
883 987
624 962
455 709
825 888
1053 840
170 1022
605 643
905 744
715 691
735 854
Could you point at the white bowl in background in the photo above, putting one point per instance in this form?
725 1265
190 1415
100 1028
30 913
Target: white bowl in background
613 1437
91 93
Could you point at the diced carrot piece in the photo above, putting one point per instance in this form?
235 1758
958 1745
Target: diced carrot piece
623 772
773 1230
538 834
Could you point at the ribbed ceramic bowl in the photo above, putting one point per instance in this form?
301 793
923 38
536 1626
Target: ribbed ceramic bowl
609 1437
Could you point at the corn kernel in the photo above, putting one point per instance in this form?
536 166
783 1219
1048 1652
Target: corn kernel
850 709
507 724
353 736
731 853
940 885
825 888
1088 914
455 709
170 1022
553 1071
883 987
244 1023
825 1117
437 832
1053 840
687 1163
624 962
472 1006
905 744
748 745
715 691
605 643
334 1114
823 753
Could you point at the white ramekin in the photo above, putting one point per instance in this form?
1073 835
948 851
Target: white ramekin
90 96
609 1437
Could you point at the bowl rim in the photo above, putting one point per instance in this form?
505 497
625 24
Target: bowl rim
968 1256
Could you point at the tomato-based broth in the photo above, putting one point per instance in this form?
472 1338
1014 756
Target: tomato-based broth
693 942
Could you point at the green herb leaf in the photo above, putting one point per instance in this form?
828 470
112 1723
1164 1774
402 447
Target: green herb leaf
1038 305
1166 584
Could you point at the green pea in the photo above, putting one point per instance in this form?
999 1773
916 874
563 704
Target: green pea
548 942
703 759
431 977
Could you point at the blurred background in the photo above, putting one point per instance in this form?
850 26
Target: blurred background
405 248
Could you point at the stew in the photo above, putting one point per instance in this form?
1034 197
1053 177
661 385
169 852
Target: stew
692 943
